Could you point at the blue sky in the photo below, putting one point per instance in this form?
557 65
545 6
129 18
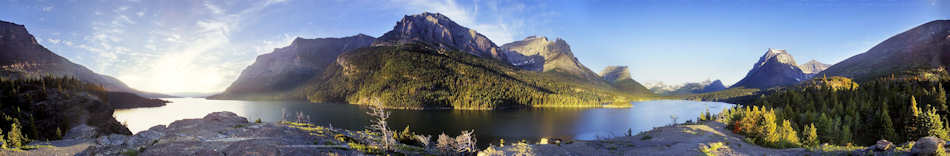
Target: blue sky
202 45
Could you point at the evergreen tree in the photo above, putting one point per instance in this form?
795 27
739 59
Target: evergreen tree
15 136
887 126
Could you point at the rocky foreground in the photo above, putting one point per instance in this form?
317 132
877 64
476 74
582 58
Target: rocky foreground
225 133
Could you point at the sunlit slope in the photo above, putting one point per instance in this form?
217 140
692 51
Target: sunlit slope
414 76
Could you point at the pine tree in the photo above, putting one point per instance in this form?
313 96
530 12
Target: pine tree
15 136
887 126
811 136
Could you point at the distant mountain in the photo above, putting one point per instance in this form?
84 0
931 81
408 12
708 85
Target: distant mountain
811 68
687 88
279 73
22 57
541 54
775 68
441 32
924 46
619 77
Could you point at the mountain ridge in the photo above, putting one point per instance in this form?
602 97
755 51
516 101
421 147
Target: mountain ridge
923 46
284 69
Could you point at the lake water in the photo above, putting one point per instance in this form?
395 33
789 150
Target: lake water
489 126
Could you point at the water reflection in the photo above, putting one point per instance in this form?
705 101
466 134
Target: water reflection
489 126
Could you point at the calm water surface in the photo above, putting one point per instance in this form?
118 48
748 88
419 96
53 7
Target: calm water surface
489 126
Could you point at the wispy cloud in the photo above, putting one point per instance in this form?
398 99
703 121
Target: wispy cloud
199 56
47 8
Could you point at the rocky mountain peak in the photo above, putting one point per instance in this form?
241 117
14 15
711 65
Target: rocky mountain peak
777 55
438 30
540 54
615 73
813 67
775 68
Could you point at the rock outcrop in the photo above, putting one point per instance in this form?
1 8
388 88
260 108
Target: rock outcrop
289 67
22 57
540 54
775 68
437 30
226 133
924 46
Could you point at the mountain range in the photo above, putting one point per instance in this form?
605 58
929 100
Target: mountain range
686 88
428 61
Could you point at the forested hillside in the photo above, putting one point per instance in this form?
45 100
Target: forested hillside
417 77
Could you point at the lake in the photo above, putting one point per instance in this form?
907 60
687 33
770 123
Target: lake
489 126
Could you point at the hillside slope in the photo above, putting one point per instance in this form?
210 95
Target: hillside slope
278 74
924 46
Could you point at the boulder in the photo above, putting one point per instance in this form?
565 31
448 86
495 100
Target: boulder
82 131
927 146
112 140
882 145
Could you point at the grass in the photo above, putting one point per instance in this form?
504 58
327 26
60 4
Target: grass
711 147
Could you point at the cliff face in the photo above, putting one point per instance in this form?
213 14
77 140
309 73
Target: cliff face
775 68
287 68
439 31
541 54
924 46
22 57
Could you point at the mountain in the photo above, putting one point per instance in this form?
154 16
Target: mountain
278 73
441 32
541 54
924 46
429 62
811 68
619 77
22 57
775 68
686 88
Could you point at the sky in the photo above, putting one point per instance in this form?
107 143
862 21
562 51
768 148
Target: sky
200 46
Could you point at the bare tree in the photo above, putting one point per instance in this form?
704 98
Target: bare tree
379 124
464 142
445 143
424 139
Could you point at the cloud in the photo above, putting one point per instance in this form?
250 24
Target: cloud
195 54
214 9
53 41
48 9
